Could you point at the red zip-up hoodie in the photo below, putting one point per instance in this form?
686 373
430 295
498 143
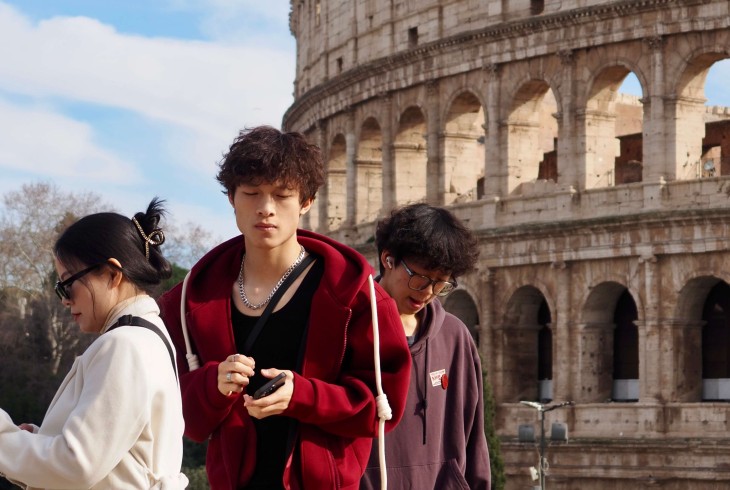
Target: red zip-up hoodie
334 395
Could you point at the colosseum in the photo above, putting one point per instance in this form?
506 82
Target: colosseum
603 218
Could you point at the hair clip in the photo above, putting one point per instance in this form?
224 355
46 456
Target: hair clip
155 238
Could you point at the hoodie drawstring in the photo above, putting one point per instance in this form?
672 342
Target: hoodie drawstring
425 393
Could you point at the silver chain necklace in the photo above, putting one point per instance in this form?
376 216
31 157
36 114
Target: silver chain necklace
242 291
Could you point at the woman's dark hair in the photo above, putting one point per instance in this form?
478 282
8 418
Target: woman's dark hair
96 238
265 155
432 236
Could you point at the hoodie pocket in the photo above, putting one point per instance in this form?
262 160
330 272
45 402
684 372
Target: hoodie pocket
435 476
454 479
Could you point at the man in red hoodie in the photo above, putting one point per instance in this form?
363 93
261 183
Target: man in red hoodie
316 430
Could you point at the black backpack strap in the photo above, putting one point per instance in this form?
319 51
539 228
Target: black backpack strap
135 321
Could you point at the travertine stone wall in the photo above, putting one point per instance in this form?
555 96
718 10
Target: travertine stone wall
465 104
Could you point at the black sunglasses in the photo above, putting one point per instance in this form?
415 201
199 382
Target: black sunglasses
63 288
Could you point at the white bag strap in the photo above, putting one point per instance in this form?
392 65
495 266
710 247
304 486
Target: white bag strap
192 359
384 410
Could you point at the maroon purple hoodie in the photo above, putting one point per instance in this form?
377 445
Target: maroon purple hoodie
440 442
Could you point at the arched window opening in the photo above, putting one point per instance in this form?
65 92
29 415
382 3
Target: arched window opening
519 334
625 350
716 344
544 354
629 166
464 150
410 156
369 173
531 138
716 143
462 306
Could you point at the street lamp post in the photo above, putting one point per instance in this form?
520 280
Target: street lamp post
542 409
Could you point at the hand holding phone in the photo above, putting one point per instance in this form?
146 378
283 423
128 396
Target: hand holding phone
271 386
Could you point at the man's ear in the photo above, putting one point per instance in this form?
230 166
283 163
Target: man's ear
386 259
230 198
306 206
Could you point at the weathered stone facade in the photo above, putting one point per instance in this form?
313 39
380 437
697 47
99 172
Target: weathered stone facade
603 223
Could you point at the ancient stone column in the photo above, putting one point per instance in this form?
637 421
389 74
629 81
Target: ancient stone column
650 338
681 369
568 172
350 170
386 125
654 129
321 202
435 162
495 167
563 351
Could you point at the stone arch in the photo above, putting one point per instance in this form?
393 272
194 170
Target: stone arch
531 133
687 116
463 143
602 145
461 304
457 92
520 339
689 312
594 307
336 183
410 156
691 298
369 172
690 80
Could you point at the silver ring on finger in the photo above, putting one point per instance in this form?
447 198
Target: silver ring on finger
228 376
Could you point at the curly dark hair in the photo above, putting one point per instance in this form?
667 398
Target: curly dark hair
265 155
432 236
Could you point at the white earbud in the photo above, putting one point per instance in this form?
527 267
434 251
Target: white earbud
389 261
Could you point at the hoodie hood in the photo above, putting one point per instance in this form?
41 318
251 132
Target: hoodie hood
345 269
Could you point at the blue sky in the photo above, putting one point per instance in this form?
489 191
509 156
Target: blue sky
136 98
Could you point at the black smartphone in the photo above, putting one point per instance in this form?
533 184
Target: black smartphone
271 386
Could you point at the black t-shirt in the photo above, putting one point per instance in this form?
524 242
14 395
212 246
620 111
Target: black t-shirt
279 345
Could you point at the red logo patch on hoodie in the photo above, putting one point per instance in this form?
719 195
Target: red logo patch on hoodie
437 378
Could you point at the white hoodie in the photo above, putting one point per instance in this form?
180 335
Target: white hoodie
115 421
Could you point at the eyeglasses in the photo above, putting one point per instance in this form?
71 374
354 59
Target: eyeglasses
63 288
417 282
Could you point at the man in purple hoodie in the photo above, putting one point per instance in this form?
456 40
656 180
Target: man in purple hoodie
440 442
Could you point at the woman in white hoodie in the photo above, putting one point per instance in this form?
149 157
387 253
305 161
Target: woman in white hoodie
116 420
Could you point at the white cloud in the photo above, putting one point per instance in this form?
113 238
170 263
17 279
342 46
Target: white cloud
53 146
203 86
194 96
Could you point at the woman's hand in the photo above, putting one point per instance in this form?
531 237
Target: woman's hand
234 373
276 402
